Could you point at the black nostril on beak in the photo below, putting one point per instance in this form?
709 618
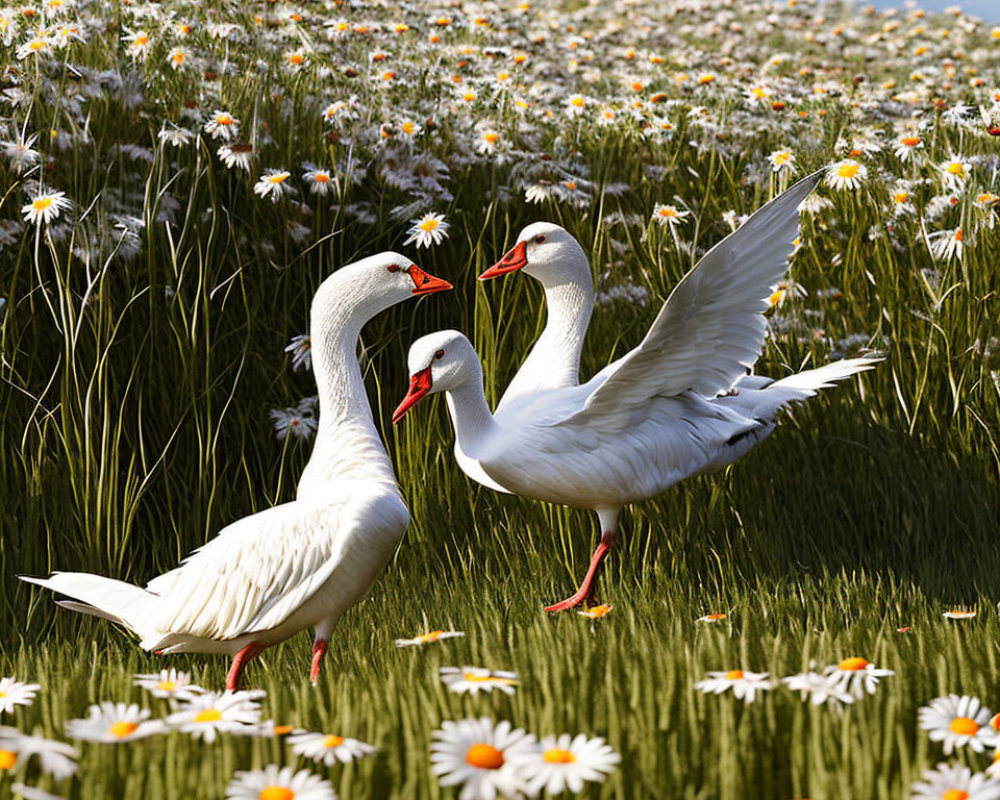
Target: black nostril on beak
426 279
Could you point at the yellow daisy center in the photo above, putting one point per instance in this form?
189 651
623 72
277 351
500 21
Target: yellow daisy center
964 726
322 177
668 212
41 203
276 793
429 637
854 664
558 756
734 675
427 226
7 759
955 168
783 158
408 127
955 794
123 729
280 178
472 678
910 141
208 715
3 694
848 170
141 40
296 58
901 197
484 756
492 138
37 44
224 119
577 101
333 741
715 617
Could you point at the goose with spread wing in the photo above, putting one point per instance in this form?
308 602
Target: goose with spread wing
679 404
301 564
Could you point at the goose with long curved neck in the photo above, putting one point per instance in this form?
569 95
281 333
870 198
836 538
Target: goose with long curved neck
553 257
299 565
678 405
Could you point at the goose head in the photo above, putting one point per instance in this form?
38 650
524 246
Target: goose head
375 284
438 362
546 252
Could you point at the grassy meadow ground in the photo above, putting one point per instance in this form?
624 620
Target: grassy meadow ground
143 331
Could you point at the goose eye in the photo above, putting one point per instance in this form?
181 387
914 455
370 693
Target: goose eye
539 239
439 355
394 268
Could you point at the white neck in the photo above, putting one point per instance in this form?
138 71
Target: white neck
348 447
470 415
554 361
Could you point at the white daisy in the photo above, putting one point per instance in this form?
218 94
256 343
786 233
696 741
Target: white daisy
819 689
482 757
428 638
168 684
566 763
21 152
473 680
906 146
274 783
948 782
846 174
944 246
273 184
57 758
668 215
236 156
222 125
958 721
174 135
45 207
112 723
318 181
329 748
301 349
782 161
302 425
210 714
745 685
14 693
430 229
856 676
955 172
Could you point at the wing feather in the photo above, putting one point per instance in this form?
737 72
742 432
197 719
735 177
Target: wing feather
711 329
255 573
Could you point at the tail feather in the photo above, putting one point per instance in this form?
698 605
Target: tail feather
102 597
768 401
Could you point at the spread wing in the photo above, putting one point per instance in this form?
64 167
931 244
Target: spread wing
256 572
711 329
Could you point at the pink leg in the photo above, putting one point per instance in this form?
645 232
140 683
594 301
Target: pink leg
586 591
319 650
240 660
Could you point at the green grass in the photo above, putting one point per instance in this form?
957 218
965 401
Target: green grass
134 399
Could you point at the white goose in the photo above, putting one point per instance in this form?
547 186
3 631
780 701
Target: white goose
679 404
299 565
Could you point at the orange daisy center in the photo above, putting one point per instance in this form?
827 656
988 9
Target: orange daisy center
484 756
964 726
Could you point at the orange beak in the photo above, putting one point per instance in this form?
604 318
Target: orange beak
426 284
420 385
515 259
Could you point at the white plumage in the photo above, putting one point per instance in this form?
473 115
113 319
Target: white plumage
679 404
301 564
